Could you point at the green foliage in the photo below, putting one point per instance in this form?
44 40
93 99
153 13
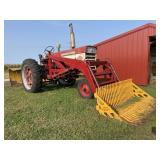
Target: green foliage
60 113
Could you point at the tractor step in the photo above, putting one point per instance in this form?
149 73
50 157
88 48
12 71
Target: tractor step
124 101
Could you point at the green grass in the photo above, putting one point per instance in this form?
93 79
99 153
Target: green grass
60 113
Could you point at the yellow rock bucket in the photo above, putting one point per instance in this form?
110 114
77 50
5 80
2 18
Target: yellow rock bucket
124 101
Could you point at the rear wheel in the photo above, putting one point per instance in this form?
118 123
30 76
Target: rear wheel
31 75
84 89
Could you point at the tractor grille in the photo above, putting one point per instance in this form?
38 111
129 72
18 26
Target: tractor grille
91 57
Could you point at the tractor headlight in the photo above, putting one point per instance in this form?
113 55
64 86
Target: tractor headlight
91 49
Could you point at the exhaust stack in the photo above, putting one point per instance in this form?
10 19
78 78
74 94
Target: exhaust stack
58 47
72 37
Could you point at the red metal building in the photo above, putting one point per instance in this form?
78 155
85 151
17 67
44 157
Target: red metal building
132 53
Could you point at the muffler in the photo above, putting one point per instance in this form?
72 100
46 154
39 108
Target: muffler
72 37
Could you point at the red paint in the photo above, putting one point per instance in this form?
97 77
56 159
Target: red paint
54 67
68 65
129 53
84 89
28 76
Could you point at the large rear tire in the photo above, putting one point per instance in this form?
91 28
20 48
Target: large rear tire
84 89
31 75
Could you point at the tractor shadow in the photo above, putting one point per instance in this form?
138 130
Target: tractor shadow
52 87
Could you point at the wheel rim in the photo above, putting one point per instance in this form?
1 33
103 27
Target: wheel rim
27 77
85 90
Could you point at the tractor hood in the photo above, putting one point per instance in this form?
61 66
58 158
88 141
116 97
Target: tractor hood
76 53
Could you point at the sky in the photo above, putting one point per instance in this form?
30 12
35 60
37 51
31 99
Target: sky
28 38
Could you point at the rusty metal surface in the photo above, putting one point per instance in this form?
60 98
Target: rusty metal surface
15 76
129 53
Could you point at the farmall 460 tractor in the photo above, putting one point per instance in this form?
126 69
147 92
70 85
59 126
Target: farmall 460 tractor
64 67
99 80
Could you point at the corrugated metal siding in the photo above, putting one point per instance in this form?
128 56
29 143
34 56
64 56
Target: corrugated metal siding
129 54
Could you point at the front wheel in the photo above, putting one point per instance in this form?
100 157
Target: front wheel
84 89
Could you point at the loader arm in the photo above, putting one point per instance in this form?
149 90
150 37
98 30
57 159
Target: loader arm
83 67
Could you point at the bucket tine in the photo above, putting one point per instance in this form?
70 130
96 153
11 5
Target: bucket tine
124 101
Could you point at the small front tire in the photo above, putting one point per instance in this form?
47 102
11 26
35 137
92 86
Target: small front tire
84 89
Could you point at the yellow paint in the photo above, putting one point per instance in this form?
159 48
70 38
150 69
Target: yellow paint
112 96
15 76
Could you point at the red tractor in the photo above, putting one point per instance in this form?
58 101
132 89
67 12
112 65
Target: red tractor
65 67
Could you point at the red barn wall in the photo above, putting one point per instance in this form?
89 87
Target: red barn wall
129 53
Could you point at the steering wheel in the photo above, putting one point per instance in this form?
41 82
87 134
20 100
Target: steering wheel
49 49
